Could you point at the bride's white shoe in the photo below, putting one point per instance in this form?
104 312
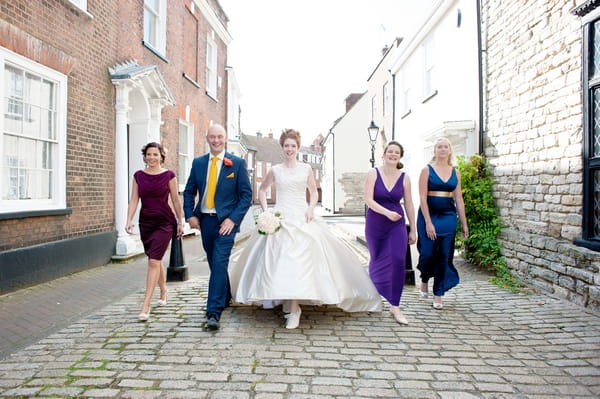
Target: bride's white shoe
293 319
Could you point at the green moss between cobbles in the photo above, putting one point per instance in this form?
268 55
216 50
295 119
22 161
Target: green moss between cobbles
255 383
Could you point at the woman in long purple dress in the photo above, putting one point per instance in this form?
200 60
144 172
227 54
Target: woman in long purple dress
385 227
158 224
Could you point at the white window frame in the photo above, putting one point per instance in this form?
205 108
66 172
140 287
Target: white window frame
386 98
259 173
405 94
159 41
58 190
211 65
268 193
373 107
186 153
428 49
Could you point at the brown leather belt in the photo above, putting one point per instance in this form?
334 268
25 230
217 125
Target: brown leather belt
439 193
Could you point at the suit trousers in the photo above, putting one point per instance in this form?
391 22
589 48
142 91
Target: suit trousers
218 250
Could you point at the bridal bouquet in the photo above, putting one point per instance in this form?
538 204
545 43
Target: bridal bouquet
268 223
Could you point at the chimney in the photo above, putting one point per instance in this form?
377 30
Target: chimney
352 99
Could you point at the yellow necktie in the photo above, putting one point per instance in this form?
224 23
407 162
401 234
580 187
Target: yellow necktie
212 184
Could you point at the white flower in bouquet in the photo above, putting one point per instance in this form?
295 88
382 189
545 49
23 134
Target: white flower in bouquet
268 223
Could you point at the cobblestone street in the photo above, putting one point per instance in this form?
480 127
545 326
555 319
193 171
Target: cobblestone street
485 343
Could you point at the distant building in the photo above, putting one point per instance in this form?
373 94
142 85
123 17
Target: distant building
346 158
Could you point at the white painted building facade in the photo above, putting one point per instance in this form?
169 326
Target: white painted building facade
436 85
346 160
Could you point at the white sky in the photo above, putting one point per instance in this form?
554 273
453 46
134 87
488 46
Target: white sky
297 60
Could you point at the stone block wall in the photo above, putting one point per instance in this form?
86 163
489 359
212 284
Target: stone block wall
353 184
533 139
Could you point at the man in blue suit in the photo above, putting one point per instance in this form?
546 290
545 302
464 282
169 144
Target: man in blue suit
217 213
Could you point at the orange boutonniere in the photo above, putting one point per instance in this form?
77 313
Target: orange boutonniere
227 162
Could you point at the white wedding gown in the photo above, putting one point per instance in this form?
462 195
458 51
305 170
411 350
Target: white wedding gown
302 261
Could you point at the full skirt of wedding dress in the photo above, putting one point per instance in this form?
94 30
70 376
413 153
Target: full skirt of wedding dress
302 261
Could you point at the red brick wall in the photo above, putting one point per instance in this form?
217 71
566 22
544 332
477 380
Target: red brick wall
84 48
60 36
203 108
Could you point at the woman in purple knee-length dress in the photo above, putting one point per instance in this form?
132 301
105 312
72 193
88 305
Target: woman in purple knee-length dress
385 228
153 186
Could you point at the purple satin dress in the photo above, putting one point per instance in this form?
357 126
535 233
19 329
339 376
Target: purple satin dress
387 241
157 220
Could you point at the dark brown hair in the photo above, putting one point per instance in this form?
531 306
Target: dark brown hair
154 145
289 134
400 165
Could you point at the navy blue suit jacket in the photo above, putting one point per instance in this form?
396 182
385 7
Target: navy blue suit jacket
234 191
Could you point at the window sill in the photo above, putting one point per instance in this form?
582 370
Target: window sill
155 51
435 92
78 9
212 96
594 245
404 115
189 79
30 214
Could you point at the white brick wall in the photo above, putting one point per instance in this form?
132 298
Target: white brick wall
533 139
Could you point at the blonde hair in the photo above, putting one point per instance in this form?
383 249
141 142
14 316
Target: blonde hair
449 145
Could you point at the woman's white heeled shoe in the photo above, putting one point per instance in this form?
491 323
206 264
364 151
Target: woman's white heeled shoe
162 302
144 316
400 319
293 319
423 290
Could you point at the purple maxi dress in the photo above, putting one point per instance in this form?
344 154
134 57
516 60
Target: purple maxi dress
387 241
157 220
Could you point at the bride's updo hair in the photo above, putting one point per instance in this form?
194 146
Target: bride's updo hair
289 134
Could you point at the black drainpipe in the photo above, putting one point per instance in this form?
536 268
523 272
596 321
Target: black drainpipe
480 70
394 107
330 133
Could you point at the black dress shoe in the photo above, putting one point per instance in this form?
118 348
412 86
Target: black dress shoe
212 323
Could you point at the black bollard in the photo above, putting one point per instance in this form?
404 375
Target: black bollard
409 273
177 271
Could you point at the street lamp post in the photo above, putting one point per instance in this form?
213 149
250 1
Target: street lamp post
373 130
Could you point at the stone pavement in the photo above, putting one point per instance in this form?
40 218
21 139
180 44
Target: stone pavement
485 343
32 313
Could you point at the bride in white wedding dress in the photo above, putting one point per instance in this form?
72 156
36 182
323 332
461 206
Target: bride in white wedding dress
302 262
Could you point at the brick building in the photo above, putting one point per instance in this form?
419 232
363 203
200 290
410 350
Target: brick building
86 83
540 135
